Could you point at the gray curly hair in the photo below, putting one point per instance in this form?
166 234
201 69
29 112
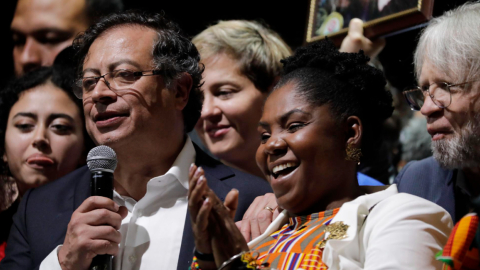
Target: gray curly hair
451 43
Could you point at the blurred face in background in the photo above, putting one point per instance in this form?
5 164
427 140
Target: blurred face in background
44 136
231 109
43 28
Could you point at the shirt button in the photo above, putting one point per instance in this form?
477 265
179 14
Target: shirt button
132 258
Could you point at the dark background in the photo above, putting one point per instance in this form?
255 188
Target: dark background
288 18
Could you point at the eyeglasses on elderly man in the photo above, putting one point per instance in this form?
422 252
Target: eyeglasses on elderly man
439 92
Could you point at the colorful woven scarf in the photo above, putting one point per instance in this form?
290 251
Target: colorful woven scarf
461 250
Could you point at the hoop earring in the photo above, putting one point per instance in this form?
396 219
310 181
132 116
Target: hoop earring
353 153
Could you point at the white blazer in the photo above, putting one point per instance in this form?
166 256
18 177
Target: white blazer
387 230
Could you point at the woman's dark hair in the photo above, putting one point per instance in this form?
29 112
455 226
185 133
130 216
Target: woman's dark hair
345 82
173 53
61 74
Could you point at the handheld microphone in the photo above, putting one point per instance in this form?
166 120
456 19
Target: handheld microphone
101 162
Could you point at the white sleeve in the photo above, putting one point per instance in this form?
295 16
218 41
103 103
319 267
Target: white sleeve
51 261
405 232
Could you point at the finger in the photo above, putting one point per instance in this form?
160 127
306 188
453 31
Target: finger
275 214
99 217
202 217
100 247
96 202
239 225
269 200
218 207
355 28
354 41
254 228
264 218
252 208
123 212
191 170
231 202
245 230
104 233
197 197
192 181
249 214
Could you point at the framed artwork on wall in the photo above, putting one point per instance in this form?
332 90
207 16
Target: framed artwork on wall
331 17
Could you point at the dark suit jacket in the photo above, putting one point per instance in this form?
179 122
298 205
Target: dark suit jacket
41 222
426 179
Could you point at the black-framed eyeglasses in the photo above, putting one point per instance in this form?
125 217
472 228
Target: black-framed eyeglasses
439 92
116 80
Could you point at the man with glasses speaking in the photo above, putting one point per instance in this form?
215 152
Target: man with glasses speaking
139 80
447 63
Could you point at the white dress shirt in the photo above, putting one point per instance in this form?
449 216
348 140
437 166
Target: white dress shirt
153 229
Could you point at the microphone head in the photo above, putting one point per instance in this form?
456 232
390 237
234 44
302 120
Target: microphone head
102 158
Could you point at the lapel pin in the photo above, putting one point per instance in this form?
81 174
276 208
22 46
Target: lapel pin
337 230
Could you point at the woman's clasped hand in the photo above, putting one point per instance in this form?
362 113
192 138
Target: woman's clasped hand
214 233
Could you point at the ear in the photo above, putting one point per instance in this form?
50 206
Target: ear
354 131
183 86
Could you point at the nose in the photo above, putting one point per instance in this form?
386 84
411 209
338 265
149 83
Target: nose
31 55
102 93
40 139
275 146
210 111
429 107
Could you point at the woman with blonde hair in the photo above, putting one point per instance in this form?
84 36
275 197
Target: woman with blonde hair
242 64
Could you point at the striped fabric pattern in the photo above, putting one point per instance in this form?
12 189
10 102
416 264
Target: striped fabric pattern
460 252
296 245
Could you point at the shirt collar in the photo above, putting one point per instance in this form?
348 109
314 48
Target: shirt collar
179 169
370 200
181 165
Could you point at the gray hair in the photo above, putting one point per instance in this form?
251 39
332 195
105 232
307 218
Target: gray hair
451 43
257 48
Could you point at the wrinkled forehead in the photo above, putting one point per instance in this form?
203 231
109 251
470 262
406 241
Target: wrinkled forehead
123 43
437 71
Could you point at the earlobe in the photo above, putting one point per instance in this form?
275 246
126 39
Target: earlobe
4 157
354 131
183 86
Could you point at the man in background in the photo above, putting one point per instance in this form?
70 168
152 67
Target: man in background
43 28
447 63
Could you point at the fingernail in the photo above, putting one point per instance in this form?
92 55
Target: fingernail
117 207
201 180
191 167
198 172
206 201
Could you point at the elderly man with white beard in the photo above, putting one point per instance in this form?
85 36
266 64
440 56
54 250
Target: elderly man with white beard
447 63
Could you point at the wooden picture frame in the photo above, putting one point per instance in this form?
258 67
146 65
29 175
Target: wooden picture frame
380 17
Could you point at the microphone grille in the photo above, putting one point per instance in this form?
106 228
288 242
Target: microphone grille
102 158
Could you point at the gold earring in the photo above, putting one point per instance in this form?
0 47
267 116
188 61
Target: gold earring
353 153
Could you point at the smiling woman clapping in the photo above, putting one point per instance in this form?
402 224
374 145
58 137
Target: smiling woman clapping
323 118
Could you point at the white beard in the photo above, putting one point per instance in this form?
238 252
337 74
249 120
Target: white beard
462 150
